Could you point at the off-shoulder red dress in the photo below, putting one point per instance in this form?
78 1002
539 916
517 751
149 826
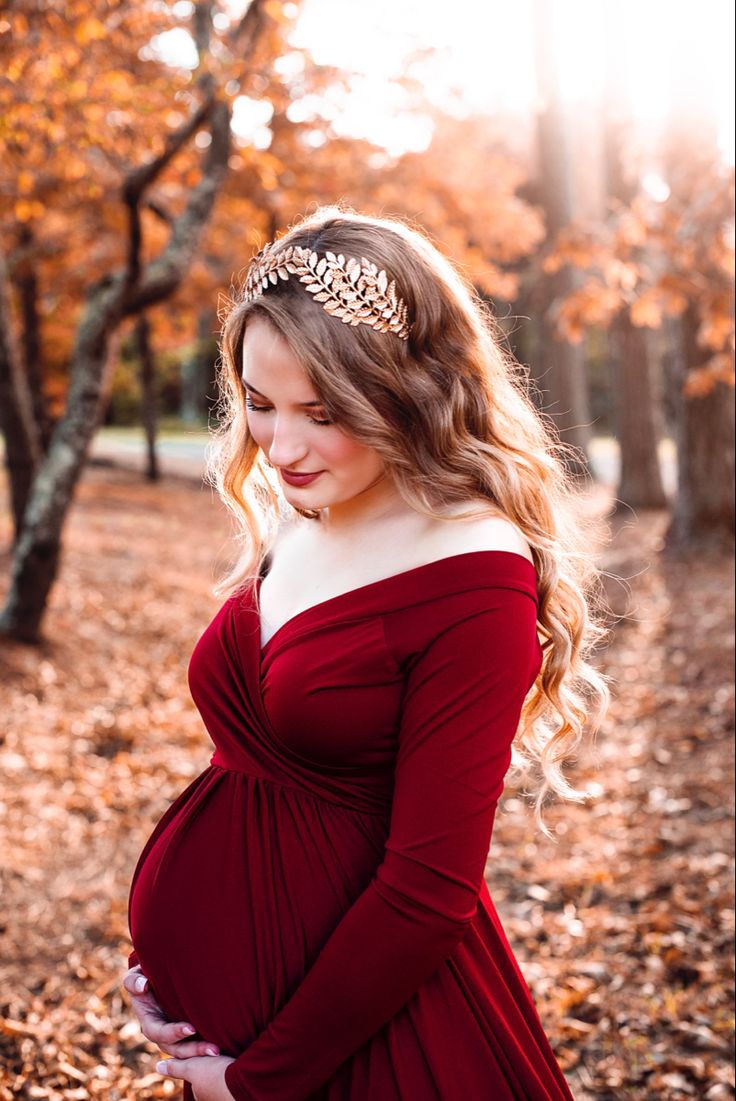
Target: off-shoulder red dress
314 901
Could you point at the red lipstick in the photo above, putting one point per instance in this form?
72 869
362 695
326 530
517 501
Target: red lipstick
293 479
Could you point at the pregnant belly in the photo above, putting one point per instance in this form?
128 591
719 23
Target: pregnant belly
236 891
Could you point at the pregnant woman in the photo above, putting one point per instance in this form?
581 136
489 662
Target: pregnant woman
415 594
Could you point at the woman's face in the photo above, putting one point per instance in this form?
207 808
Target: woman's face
290 425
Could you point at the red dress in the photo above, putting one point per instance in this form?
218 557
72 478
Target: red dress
314 901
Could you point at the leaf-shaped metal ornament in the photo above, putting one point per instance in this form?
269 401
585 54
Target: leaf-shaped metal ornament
355 291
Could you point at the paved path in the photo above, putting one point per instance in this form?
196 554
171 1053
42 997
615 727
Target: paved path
177 455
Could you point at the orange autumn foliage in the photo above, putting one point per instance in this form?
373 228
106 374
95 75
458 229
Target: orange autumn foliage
657 259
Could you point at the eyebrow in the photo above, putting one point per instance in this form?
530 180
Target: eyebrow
260 395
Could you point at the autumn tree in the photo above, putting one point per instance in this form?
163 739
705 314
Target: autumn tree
696 235
655 259
558 364
633 366
96 129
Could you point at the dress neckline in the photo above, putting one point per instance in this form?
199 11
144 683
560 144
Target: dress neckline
394 577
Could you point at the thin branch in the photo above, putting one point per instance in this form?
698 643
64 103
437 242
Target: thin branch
244 38
140 178
164 273
160 211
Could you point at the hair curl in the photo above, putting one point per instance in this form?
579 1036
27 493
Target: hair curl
450 413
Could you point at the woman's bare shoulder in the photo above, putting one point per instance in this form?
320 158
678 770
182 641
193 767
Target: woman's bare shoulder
494 532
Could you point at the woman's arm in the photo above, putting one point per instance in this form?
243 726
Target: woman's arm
461 710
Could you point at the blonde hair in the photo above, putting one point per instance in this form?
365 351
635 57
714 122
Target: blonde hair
449 412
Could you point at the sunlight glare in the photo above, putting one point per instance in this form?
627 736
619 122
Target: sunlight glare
487 55
653 53
250 121
175 48
655 187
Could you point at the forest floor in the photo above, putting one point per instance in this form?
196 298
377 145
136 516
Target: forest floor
623 925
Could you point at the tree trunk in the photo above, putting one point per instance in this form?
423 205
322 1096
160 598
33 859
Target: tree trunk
149 397
704 506
558 367
26 281
633 369
703 513
37 553
19 428
637 426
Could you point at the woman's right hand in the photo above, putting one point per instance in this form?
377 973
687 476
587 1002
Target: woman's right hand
170 1036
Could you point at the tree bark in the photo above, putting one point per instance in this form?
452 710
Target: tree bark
26 281
23 445
703 513
149 397
637 426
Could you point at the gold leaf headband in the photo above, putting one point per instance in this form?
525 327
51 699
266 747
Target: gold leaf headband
355 291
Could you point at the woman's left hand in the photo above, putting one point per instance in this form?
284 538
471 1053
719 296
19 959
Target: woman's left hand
205 1073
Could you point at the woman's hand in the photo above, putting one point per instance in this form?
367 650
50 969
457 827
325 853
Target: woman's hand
206 1076
169 1035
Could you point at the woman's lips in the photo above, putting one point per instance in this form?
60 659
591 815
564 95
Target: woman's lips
299 479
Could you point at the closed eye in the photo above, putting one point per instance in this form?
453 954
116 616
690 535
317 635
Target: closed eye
253 408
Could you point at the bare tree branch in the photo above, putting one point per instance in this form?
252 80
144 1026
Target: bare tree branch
160 211
140 178
244 37
164 273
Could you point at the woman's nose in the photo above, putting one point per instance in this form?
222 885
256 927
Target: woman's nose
288 445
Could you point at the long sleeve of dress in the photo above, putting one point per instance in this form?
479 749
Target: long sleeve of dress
461 709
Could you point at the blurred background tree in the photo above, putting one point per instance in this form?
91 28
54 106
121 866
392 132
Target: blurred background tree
147 150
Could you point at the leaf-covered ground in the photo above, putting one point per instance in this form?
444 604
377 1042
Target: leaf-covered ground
623 925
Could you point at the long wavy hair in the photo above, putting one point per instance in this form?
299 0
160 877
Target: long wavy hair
451 414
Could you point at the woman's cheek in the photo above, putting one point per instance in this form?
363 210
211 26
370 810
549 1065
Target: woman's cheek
259 434
339 448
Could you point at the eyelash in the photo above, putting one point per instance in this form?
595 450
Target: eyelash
264 409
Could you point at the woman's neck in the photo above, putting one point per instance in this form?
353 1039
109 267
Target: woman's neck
378 503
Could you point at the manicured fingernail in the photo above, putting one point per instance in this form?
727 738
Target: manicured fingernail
161 1067
211 1051
188 1030
140 983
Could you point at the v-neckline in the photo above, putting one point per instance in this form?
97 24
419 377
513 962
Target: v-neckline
321 604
